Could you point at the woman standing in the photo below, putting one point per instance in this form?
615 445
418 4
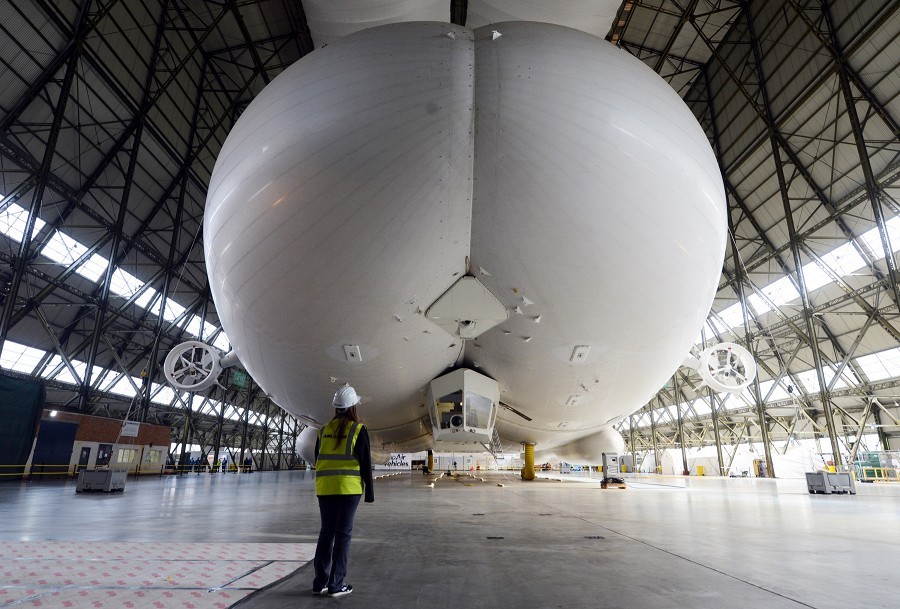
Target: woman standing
343 473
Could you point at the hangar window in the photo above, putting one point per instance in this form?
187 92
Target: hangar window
881 366
810 379
123 387
779 393
126 455
13 220
20 357
62 249
701 407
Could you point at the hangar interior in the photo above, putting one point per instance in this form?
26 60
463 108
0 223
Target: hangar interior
113 114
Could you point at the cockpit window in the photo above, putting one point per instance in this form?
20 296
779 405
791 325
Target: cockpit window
478 410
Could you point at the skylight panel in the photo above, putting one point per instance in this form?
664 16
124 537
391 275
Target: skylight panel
814 276
779 393
208 329
673 411
64 375
47 372
758 304
80 370
20 358
13 221
701 407
810 379
146 296
163 394
93 268
123 387
781 292
718 326
881 366
63 249
730 401
124 284
173 309
222 343
845 260
194 325
733 315
872 237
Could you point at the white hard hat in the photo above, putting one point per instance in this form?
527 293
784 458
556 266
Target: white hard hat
345 398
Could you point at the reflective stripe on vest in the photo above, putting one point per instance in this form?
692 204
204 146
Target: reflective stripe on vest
337 470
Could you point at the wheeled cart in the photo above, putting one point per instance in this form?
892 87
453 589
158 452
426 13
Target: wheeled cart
828 483
101 481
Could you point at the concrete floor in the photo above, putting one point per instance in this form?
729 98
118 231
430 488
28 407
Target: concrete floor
663 542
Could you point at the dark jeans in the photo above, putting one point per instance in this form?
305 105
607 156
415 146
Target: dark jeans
337 513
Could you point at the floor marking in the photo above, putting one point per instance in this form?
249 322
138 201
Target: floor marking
142 575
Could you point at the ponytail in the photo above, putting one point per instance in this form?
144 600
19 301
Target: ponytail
349 414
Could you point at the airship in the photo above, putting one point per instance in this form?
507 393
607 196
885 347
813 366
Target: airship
506 236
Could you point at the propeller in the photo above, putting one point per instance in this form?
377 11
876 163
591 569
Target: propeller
726 367
195 366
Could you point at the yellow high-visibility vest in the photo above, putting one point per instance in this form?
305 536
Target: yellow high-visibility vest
337 470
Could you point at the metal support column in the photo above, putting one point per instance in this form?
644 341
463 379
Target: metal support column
714 410
685 471
220 422
246 422
633 446
264 436
280 439
795 246
186 436
657 467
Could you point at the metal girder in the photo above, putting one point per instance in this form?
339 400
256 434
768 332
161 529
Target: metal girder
254 53
842 65
868 28
167 281
43 174
65 55
872 188
751 346
682 20
780 144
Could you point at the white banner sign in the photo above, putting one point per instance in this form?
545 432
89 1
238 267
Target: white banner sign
131 428
398 461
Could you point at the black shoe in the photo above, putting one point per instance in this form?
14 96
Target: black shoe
343 591
320 591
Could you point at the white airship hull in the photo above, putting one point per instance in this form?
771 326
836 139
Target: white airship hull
369 177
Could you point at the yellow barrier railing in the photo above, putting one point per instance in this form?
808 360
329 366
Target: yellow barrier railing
66 470
21 471
61 470
866 473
